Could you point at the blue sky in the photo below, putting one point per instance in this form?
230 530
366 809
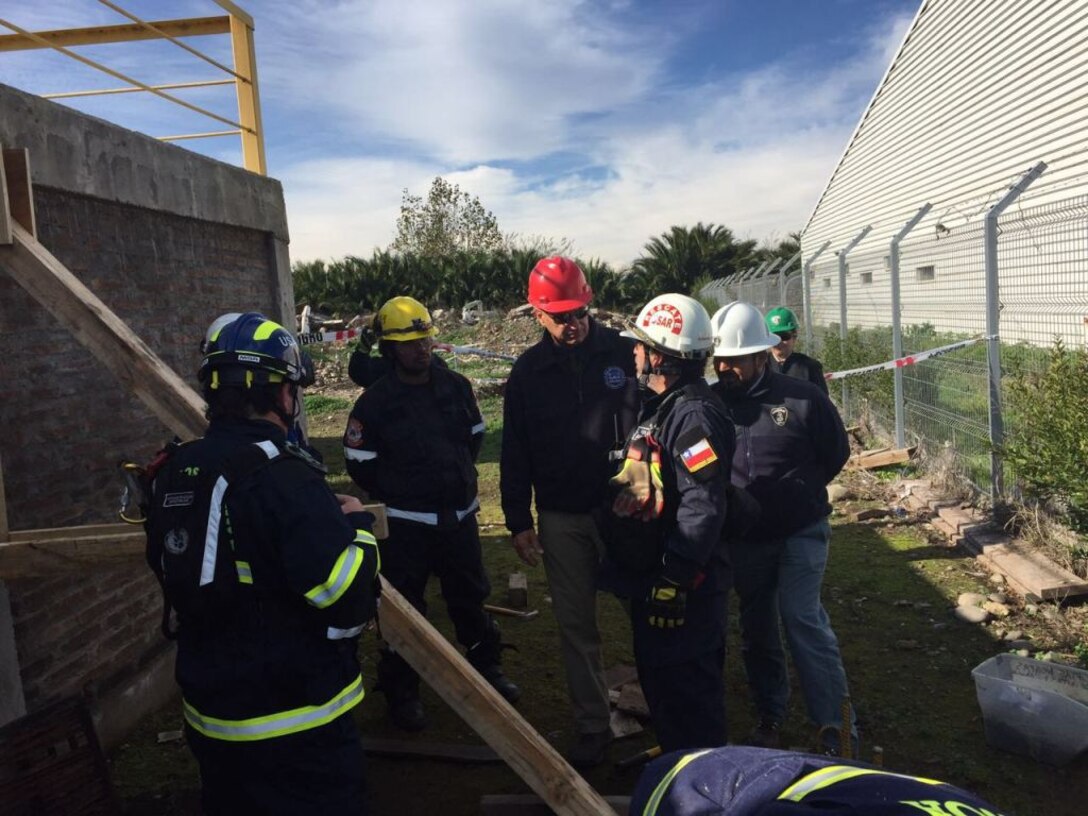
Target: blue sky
604 123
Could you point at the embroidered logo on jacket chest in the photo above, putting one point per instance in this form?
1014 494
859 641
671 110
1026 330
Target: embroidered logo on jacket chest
779 414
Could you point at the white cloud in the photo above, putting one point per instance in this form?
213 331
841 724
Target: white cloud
752 155
560 116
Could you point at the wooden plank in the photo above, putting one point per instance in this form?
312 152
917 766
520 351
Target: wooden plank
414 749
20 189
6 236
104 334
4 530
881 458
1036 575
24 559
492 717
96 35
63 533
523 614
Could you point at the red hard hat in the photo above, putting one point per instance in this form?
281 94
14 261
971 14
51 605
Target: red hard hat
558 285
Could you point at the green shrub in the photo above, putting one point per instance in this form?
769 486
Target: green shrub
1048 445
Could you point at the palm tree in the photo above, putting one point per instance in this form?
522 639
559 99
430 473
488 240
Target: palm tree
676 260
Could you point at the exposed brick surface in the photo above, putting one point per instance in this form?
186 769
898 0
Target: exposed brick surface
67 422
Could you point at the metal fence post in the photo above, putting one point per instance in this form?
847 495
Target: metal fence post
897 326
842 309
993 327
806 293
783 275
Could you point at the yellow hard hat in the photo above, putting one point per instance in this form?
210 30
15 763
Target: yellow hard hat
403 318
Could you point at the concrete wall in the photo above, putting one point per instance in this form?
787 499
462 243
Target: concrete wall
168 240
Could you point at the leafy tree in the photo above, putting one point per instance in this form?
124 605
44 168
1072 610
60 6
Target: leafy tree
448 221
676 260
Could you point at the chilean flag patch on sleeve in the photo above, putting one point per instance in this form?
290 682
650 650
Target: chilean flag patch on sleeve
698 456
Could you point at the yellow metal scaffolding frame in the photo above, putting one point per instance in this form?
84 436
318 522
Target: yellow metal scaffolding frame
237 23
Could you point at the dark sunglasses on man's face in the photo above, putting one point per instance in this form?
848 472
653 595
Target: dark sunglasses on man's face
790 335
571 316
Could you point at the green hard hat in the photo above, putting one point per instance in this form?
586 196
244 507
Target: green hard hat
781 319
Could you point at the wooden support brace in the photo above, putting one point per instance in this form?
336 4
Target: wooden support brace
6 236
3 509
20 189
494 719
24 557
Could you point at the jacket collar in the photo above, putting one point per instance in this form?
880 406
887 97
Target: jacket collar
554 354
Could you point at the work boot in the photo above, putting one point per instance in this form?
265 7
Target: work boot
767 734
407 715
501 683
590 749
829 743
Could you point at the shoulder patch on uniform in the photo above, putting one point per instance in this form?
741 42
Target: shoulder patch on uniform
779 414
614 377
353 436
698 456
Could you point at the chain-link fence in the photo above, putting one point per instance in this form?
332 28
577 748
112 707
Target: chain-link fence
1038 268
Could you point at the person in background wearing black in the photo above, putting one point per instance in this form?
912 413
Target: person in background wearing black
411 442
782 322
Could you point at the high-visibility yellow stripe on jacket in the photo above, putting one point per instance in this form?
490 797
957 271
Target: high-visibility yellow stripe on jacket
662 788
832 774
279 724
343 572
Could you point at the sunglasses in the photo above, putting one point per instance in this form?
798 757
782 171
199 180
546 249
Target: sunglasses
571 316
790 335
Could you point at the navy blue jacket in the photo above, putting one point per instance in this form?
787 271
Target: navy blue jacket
790 443
565 410
414 447
801 367
742 781
305 587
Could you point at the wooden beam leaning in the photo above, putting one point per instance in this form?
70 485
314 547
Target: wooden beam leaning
527 753
5 208
24 557
20 188
107 337
4 532
97 35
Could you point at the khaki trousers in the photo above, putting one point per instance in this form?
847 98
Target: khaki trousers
572 553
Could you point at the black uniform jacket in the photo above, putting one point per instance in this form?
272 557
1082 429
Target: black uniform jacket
790 444
414 447
291 640
801 367
565 410
697 443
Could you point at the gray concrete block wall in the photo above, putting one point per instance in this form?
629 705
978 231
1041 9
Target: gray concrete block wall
168 240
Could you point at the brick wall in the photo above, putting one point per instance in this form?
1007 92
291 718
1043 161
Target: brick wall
67 422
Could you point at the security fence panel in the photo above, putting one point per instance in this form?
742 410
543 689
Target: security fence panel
943 301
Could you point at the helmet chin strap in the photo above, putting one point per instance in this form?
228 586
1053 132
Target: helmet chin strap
289 420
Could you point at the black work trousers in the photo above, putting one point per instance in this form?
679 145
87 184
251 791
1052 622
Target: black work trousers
682 670
410 555
319 771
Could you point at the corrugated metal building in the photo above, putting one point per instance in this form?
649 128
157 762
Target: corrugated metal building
978 93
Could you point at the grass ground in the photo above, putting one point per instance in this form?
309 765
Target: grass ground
889 591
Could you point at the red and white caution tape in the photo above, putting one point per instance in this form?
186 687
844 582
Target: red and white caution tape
904 361
328 337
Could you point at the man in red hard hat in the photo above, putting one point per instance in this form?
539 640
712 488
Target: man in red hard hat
569 402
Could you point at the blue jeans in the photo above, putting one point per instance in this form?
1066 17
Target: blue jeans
781 580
